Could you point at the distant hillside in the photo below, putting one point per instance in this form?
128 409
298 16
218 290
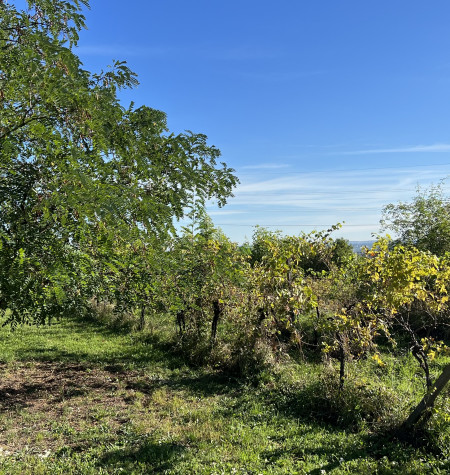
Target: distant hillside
357 245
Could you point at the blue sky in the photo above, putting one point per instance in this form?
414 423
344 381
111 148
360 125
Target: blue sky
326 109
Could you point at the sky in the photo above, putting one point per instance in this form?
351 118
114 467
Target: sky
327 110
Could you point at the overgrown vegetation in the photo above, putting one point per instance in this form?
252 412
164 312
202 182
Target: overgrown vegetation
185 352
78 397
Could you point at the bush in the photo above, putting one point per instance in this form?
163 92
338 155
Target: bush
357 405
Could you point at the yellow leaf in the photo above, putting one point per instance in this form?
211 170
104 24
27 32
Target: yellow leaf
376 357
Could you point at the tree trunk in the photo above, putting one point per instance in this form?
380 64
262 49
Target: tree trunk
316 332
142 319
341 361
428 400
181 321
217 312
422 358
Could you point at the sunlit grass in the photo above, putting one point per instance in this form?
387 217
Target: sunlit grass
83 398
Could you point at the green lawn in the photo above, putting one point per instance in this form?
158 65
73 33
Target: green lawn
78 397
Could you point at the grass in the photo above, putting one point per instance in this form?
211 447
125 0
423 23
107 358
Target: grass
78 397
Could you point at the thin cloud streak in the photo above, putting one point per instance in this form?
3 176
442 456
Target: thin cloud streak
115 51
243 53
440 147
355 197
264 166
342 180
221 212
279 76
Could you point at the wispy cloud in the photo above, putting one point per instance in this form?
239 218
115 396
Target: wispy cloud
264 166
295 201
331 181
440 147
279 76
118 51
242 53
225 212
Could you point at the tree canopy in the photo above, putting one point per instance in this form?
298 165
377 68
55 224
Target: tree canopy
423 223
74 162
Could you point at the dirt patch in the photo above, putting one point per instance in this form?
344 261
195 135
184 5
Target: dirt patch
49 405
29 385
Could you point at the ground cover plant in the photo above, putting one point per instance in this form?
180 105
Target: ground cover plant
78 397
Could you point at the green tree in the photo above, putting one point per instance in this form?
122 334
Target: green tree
423 223
342 251
73 161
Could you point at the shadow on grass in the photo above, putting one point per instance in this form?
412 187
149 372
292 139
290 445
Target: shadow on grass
351 411
57 374
349 408
157 457
74 356
47 381
91 342
393 454
205 384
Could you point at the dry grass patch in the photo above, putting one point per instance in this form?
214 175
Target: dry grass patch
48 405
